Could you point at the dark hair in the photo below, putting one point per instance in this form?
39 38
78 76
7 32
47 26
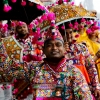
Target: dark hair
67 26
61 30
79 20
16 29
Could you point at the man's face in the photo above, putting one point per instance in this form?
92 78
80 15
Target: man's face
54 49
23 29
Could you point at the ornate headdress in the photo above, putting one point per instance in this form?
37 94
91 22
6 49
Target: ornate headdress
63 12
53 32
66 12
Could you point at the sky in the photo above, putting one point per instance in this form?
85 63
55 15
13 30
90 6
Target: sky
87 4
90 5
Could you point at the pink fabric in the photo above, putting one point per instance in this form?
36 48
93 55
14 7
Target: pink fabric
93 98
29 58
45 98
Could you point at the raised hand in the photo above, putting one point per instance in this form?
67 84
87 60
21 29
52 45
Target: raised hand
66 46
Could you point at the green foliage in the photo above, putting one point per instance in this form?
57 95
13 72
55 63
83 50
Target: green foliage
5 1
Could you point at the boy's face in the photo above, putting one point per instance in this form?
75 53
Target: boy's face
54 49
81 25
23 29
69 33
70 36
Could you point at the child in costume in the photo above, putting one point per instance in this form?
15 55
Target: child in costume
94 45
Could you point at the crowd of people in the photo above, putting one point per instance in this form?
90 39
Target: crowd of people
63 63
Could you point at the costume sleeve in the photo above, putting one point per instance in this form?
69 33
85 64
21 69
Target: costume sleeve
80 87
8 68
91 69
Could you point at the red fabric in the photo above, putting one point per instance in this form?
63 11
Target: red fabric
25 93
29 58
24 89
57 66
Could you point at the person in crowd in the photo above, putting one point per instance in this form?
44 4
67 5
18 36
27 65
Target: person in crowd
29 55
82 30
54 78
80 57
94 45
23 38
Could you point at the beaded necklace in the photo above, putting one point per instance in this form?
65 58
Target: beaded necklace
56 73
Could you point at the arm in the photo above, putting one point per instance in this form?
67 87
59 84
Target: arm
80 86
91 69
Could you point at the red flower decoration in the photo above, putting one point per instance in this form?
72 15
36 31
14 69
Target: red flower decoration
23 3
13 1
6 8
63 27
31 3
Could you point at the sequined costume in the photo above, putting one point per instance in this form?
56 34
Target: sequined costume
80 56
62 83
11 60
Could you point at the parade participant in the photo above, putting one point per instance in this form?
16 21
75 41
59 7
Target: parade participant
82 30
23 38
86 35
93 35
94 45
55 79
7 62
81 57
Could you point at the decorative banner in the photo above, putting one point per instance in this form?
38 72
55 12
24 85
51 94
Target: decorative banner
13 48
